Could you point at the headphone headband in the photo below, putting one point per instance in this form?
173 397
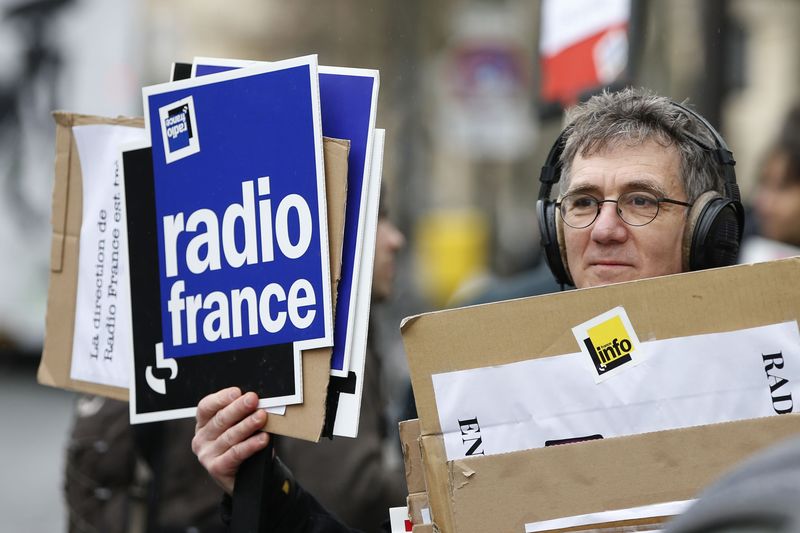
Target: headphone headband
721 152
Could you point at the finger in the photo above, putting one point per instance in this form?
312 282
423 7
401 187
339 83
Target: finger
237 433
229 416
229 462
213 403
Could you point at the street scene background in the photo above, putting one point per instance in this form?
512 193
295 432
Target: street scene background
467 132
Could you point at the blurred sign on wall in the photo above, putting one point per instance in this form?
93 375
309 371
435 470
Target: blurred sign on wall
484 84
583 45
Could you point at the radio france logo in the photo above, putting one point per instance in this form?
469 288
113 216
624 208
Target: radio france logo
179 129
610 342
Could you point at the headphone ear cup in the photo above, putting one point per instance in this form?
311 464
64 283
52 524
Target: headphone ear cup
562 248
546 212
713 233
692 220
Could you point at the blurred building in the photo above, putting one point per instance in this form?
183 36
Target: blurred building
460 100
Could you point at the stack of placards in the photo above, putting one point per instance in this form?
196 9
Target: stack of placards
224 243
598 407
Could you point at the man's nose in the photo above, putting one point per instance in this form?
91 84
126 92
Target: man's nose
609 227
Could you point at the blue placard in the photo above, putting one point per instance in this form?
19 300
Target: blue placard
348 99
240 209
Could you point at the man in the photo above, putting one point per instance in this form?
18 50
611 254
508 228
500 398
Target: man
639 179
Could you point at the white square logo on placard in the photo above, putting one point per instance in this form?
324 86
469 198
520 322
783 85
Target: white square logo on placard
179 129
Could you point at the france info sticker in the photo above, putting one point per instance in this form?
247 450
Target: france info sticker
610 343
179 129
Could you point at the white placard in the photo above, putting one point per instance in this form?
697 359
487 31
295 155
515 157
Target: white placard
349 408
101 345
398 519
685 381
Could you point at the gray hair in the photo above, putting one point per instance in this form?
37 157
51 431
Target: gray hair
634 116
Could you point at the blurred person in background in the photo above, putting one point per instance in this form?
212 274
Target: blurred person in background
144 478
121 478
777 198
353 478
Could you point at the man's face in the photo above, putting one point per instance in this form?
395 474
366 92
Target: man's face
609 250
777 201
388 241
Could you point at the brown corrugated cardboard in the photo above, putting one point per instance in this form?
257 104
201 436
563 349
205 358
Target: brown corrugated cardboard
306 420
417 503
503 492
54 367
409 442
303 421
513 489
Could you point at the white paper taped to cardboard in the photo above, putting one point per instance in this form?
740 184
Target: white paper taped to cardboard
102 348
685 381
586 521
398 519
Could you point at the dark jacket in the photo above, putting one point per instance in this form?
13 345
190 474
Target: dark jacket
285 507
349 476
134 479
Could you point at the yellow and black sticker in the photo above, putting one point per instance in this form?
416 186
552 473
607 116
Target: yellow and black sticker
609 341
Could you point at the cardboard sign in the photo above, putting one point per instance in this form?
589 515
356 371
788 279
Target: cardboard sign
349 99
349 104
518 406
67 216
302 421
240 210
504 492
163 388
350 389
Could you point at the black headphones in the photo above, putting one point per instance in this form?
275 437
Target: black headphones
714 225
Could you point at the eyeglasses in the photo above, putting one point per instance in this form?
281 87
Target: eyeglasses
635 208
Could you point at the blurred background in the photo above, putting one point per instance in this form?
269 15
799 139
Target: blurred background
471 97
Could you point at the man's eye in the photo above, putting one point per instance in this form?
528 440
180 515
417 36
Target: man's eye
583 202
641 200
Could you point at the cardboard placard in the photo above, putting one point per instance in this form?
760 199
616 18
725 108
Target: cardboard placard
257 184
506 491
412 458
302 421
56 362
418 508
349 98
